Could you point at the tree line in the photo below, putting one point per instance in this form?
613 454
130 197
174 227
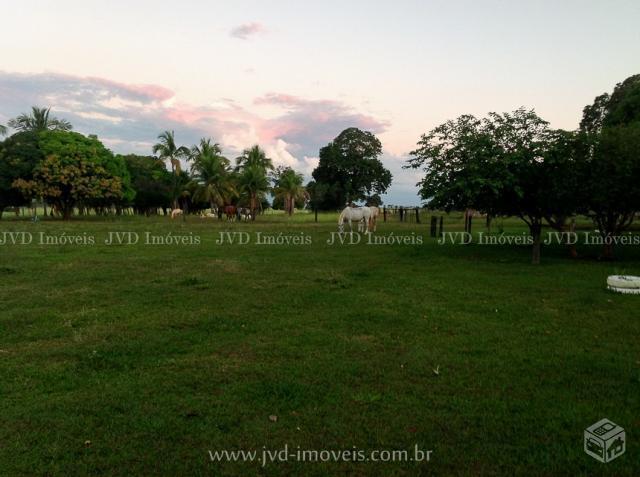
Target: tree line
46 161
514 164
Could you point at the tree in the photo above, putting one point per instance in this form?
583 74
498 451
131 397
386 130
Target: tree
288 188
152 182
67 180
613 172
39 120
495 165
211 175
253 184
350 170
167 150
3 130
19 155
67 143
610 152
254 156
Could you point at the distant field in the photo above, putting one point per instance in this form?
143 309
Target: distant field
140 359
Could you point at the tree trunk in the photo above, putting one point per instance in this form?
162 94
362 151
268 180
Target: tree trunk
573 252
253 207
607 250
536 233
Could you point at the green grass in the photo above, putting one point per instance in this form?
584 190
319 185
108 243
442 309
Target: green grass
158 354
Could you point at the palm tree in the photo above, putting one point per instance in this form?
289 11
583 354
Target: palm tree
167 150
254 157
212 174
205 149
254 184
288 186
39 120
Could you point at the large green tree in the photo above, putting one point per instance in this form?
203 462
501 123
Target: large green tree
350 169
39 119
75 170
610 150
67 143
500 165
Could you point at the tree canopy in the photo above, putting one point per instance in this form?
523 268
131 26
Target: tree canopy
350 169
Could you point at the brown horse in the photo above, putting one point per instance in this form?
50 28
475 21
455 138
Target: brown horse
230 211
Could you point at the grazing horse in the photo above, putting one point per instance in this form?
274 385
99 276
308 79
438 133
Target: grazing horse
175 213
350 214
230 212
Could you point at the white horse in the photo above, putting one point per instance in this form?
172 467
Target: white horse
350 214
175 213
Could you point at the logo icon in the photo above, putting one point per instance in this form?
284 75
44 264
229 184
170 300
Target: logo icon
604 440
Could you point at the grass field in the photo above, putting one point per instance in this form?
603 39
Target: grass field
140 359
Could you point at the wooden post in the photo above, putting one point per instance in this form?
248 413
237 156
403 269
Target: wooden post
401 214
316 213
417 215
434 226
384 214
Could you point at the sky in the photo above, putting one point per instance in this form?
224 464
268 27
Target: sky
291 75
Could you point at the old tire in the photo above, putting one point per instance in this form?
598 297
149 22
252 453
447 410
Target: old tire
626 291
623 281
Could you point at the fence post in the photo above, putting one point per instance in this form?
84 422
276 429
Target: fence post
434 226
401 214
384 214
417 215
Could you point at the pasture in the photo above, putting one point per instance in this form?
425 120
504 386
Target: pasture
140 359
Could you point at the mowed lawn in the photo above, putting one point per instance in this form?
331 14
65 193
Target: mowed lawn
138 360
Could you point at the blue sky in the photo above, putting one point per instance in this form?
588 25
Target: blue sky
291 75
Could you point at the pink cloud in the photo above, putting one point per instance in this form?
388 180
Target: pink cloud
151 92
279 99
247 30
